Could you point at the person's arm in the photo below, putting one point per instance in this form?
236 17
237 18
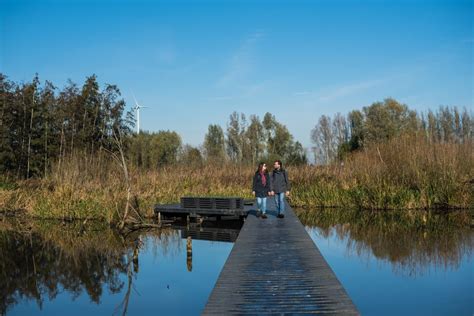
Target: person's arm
288 185
254 184
270 180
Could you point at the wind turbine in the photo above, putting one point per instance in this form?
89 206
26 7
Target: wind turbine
137 110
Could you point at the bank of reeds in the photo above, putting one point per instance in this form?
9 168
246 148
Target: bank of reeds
406 173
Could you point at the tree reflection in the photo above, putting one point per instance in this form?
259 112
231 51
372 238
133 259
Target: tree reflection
38 260
412 241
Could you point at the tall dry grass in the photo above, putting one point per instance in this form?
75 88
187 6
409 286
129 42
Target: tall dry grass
406 173
94 187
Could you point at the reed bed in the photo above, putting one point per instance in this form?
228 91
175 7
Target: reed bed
406 173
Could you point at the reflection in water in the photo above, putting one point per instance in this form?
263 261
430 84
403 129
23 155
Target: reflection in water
41 260
223 231
413 242
50 262
189 254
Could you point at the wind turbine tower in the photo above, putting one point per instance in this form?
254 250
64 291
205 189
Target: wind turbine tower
137 110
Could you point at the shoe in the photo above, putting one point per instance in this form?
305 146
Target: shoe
264 215
258 213
281 216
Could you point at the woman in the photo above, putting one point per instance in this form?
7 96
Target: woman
261 187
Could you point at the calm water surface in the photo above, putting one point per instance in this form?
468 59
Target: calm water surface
389 265
51 270
389 269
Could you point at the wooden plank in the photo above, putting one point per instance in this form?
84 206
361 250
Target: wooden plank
275 268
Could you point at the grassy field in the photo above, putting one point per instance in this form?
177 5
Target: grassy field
406 173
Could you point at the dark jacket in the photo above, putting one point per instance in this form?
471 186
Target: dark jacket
260 190
280 182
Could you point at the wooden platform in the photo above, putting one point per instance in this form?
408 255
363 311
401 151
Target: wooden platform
179 211
275 268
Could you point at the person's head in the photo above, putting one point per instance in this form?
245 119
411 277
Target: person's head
262 167
277 165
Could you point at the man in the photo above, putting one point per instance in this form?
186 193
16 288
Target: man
280 187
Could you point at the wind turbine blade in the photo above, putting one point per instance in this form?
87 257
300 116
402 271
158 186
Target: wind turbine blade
135 99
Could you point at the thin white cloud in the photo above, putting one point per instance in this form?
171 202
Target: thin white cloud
349 89
241 62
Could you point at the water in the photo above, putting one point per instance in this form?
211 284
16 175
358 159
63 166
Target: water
395 264
389 269
55 269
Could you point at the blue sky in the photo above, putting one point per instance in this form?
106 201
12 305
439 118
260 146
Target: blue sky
195 62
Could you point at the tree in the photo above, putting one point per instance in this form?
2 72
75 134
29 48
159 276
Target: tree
255 140
323 140
235 141
90 101
214 143
282 142
446 122
384 120
269 130
153 150
432 127
356 125
467 126
164 148
340 129
190 155
297 155
10 127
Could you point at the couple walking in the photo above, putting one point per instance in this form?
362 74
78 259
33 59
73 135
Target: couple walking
276 185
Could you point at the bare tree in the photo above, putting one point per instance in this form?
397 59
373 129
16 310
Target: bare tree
322 138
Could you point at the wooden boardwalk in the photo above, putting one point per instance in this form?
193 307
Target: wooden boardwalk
275 268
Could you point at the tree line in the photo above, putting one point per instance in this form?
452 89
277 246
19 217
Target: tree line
249 141
241 142
41 125
333 138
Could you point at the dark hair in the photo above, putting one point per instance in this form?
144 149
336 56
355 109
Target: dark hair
260 167
279 162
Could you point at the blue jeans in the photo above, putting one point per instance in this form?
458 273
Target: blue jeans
280 202
262 204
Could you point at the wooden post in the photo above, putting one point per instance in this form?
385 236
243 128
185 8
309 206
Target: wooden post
135 259
189 253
